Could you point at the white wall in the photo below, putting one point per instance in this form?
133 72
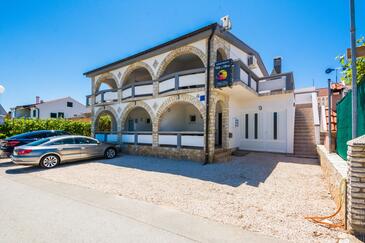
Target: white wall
236 53
282 104
177 118
60 105
139 117
304 95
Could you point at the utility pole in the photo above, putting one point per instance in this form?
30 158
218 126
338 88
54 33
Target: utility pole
329 117
353 66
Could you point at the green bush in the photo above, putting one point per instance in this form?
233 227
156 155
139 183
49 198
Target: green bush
16 126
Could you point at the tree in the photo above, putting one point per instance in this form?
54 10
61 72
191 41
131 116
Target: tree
346 66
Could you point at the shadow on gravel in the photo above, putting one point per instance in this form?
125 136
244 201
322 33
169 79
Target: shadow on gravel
252 169
6 164
32 169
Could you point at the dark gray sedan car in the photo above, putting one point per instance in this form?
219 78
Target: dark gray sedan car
49 152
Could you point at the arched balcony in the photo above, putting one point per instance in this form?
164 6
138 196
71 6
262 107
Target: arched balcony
106 127
137 82
137 127
105 90
181 125
182 72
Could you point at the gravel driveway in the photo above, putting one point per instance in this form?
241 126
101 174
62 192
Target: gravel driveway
260 192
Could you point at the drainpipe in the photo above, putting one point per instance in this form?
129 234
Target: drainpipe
207 97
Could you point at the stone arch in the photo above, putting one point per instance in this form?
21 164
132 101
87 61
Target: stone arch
220 45
178 52
221 54
106 110
106 77
130 107
172 100
135 66
216 99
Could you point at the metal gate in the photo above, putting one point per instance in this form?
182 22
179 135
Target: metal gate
344 125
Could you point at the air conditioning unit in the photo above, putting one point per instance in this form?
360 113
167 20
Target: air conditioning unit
251 61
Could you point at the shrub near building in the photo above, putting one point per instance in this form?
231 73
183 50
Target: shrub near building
17 126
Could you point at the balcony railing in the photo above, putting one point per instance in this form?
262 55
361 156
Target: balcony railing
109 95
181 139
279 82
107 137
138 89
193 78
137 137
244 75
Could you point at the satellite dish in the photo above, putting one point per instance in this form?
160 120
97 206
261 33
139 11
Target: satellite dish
2 89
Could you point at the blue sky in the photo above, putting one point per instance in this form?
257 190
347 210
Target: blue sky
46 46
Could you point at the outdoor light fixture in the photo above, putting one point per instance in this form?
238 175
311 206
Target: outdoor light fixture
330 70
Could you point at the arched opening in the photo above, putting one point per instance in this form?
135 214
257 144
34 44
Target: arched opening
181 125
181 117
105 84
138 120
182 63
221 55
105 123
106 90
219 124
137 75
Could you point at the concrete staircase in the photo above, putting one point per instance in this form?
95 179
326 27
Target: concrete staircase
304 138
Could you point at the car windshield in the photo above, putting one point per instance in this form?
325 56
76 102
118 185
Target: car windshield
38 142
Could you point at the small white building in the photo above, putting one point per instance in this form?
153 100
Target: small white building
171 101
3 113
66 107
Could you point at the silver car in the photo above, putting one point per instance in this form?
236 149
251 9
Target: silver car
49 152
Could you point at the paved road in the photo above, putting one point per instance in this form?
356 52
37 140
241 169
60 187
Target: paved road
33 209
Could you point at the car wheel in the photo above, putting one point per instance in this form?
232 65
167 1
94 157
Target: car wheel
110 153
50 161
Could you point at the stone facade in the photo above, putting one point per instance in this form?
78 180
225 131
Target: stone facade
356 186
172 98
165 152
156 104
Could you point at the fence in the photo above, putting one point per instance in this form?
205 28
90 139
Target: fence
344 111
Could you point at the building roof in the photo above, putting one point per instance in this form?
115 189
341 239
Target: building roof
44 102
2 111
179 41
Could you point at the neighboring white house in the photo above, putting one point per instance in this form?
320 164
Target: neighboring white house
164 101
66 107
3 113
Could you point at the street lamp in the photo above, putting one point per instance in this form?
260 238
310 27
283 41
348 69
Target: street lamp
330 70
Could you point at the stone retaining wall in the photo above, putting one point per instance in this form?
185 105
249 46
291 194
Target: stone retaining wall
335 172
165 152
356 186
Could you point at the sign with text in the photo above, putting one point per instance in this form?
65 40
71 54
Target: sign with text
360 52
223 73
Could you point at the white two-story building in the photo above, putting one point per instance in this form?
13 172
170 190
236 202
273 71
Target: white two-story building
193 97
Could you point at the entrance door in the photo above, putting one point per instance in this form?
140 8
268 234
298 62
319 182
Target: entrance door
219 129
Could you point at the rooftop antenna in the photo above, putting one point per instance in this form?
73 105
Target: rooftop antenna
226 23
